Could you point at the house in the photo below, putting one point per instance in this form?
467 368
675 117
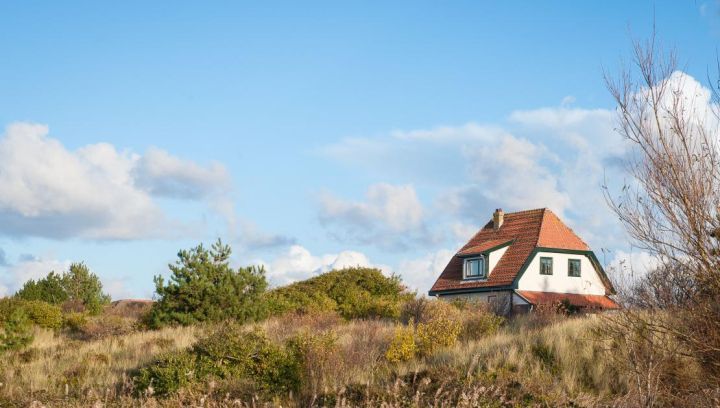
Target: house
523 260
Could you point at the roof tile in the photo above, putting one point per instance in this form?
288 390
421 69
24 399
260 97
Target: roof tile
528 230
548 298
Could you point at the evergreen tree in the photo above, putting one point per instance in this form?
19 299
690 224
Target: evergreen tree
49 289
203 287
78 285
84 287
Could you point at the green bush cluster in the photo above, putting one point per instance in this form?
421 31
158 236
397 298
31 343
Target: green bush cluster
36 312
15 330
351 292
77 287
17 317
203 287
227 353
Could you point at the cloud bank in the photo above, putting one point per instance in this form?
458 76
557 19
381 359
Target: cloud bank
94 192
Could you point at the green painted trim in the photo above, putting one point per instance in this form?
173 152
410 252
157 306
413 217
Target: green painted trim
469 290
589 254
486 259
552 265
570 262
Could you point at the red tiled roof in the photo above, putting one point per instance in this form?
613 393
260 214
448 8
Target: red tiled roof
528 230
548 298
476 249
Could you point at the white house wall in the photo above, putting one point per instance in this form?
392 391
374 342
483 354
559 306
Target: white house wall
588 283
494 257
478 296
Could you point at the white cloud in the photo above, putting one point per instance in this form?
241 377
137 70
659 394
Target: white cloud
95 192
420 274
117 289
165 175
391 216
470 132
30 267
299 264
634 265
245 233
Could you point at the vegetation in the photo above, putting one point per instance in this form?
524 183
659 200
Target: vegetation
203 287
670 208
77 289
351 292
319 359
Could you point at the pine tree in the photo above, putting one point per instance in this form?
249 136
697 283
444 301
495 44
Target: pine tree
204 287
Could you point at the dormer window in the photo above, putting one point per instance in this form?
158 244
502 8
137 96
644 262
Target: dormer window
475 268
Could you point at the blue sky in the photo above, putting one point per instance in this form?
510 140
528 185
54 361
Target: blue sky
308 135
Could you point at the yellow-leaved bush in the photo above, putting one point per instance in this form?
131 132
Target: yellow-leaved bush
402 346
440 326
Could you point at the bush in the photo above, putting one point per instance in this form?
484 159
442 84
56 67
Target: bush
203 287
49 289
43 314
439 326
438 333
75 321
77 287
351 292
97 327
167 374
227 353
16 331
402 346
36 312
319 358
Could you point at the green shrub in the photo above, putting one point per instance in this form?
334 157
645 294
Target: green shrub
480 324
77 286
37 312
16 331
43 314
226 353
167 374
351 292
49 289
75 321
203 287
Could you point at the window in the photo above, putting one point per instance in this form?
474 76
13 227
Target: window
545 266
574 267
475 268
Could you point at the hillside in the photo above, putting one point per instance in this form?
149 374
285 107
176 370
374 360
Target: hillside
347 338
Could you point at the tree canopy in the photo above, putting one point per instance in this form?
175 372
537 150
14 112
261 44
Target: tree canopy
204 287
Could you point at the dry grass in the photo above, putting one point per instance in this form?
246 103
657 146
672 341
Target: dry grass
555 362
56 366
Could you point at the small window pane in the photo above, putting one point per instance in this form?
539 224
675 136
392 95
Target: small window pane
574 267
474 268
546 266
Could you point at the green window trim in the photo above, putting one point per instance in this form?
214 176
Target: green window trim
574 268
475 268
546 265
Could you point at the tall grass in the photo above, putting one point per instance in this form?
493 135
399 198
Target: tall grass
528 362
56 366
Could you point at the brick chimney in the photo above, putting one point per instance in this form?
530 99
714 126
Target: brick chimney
498 217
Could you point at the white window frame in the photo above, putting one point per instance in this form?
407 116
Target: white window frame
466 267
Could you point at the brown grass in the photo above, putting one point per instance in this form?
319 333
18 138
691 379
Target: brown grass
56 366
531 361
